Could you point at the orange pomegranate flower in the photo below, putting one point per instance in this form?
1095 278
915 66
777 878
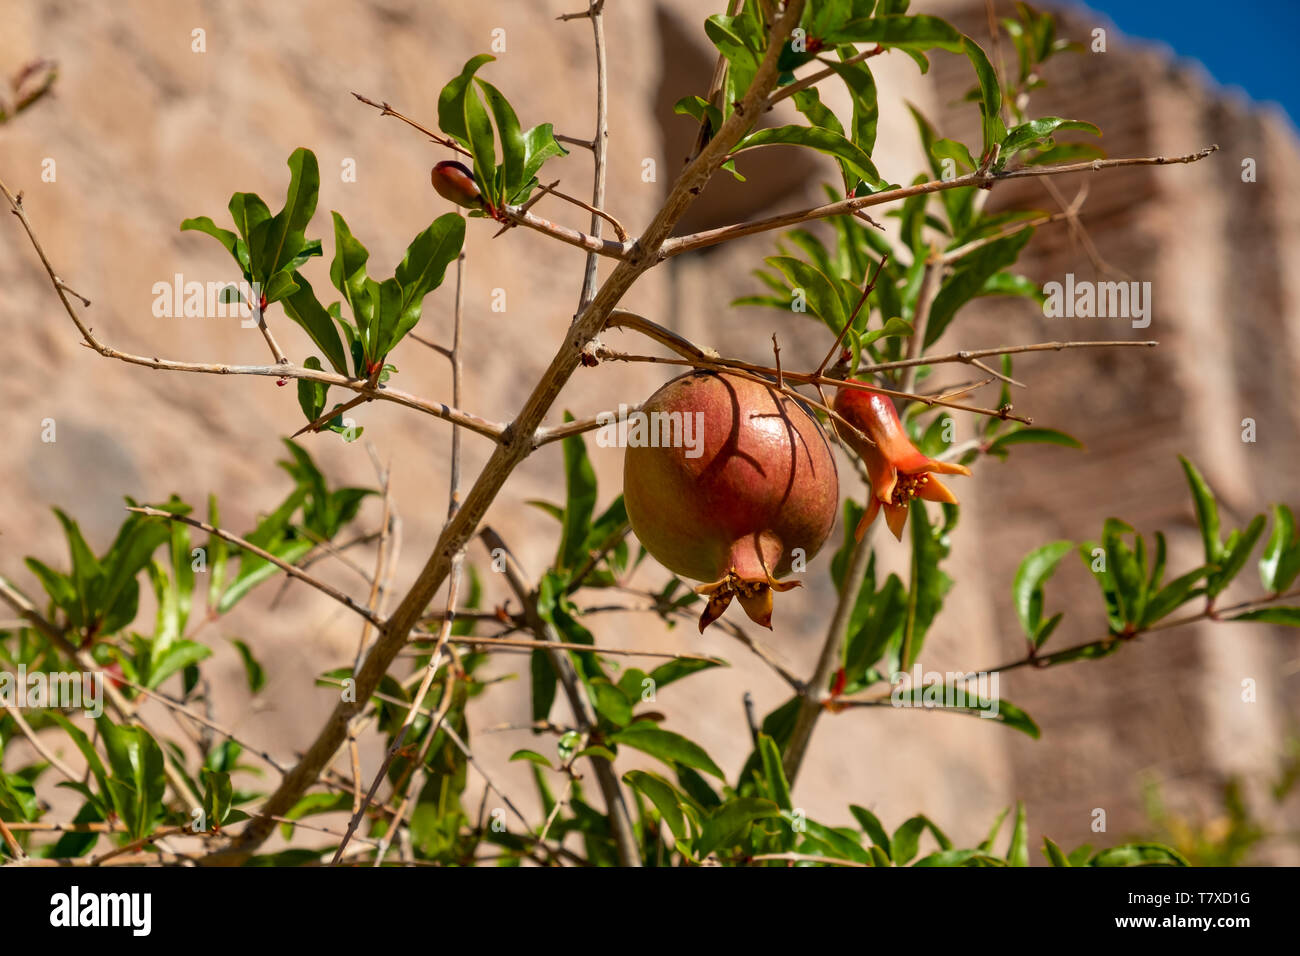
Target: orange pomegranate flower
898 471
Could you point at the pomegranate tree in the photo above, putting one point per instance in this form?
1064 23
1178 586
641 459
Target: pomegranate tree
752 489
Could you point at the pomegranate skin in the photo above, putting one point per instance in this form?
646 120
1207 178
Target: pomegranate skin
758 482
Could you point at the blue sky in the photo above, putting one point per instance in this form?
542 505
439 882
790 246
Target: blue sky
1248 44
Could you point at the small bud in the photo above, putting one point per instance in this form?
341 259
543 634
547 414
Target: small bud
455 182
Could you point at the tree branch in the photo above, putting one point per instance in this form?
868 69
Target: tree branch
979 178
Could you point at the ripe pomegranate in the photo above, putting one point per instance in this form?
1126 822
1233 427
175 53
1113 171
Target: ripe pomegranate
724 479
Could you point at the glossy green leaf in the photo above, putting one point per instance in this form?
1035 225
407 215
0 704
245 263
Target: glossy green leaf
667 746
823 140
1036 131
423 269
305 309
451 101
1280 563
1027 589
918 33
206 225
276 241
1207 511
511 138
821 296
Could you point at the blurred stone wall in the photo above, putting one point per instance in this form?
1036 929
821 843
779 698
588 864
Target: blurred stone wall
145 132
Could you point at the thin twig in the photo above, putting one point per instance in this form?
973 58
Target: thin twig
979 178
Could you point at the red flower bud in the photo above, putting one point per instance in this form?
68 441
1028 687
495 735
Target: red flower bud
898 471
454 181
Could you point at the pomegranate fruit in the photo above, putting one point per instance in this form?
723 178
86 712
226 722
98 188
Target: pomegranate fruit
726 481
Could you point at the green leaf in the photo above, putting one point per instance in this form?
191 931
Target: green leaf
218 794
666 798
1139 854
387 296
540 145
1124 572
206 225
253 670
217 555
88 751
280 286
906 840
610 702
726 825
177 656
1054 854
1018 851
533 756
820 293
276 241
1027 589
866 111
987 845
699 109
1280 562
737 41
774 773
893 328
1289 616
1207 512
927 584
667 673
916 33
942 149
823 140
482 144
870 823
990 95
248 211
137 782
348 269
1173 595
543 681
451 101
1235 557
424 267
1035 131
312 394
511 136
666 746
970 274
305 309
580 501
